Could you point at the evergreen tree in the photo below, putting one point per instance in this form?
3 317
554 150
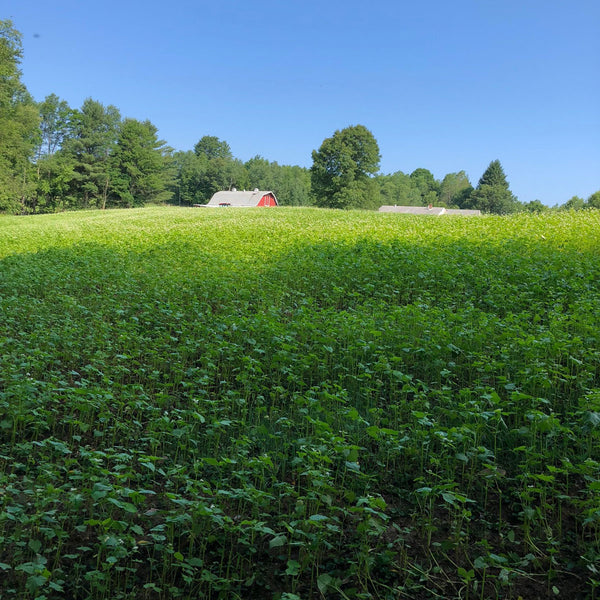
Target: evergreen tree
93 136
492 194
138 168
494 176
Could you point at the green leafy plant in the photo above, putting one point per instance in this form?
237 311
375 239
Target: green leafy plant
298 404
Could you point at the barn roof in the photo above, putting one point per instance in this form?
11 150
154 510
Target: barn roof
425 210
236 198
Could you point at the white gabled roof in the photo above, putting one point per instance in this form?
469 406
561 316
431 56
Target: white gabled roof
466 212
235 198
413 210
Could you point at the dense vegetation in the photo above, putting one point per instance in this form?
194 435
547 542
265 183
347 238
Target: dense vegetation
299 403
54 157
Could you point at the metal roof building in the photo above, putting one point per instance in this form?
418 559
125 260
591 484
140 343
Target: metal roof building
243 199
429 210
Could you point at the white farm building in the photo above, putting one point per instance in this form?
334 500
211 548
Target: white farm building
429 210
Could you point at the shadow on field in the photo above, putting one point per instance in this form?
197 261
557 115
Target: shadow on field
508 277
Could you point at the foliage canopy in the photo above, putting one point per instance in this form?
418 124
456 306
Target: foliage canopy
341 170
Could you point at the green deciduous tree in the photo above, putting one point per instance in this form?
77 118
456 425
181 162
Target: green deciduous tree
574 203
208 169
535 206
261 173
213 147
55 171
455 188
594 200
220 170
55 115
342 167
190 169
291 184
398 189
223 174
19 132
426 185
54 191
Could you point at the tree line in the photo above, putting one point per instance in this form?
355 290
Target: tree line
54 157
345 174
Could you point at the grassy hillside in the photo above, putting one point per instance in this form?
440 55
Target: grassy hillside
297 404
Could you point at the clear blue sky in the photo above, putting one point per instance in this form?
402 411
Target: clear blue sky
446 86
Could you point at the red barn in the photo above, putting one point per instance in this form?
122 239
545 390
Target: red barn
243 199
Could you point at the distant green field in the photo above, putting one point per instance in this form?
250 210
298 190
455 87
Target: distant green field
299 403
